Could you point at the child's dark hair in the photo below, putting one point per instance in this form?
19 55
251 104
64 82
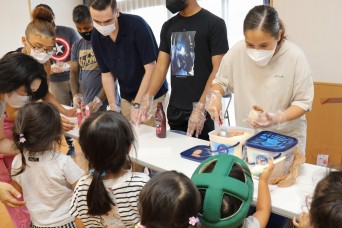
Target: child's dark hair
37 128
106 139
168 200
326 206
230 205
265 18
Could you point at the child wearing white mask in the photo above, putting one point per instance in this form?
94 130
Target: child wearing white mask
267 72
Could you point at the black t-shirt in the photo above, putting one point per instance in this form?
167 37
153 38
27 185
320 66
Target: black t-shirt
43 88
191 42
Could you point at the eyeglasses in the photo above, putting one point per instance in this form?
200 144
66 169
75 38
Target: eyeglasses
50 50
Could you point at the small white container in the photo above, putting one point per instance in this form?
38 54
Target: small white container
231 144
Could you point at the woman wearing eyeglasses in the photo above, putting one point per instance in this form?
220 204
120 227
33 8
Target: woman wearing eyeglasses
39 42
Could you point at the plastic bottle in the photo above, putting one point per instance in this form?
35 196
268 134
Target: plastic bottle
79 117
87 111
160 121
83 108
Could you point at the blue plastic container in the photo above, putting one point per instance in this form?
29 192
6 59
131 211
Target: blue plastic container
267 144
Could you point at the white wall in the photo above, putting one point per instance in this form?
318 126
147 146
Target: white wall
15 15
315 26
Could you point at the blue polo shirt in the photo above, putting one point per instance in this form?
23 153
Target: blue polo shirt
125 58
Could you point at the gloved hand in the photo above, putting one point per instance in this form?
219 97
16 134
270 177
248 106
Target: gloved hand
258 118
213 105
196 120
144 110
95 104
59 67
77 99
134 115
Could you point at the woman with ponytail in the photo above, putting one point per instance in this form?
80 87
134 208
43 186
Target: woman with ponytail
108 196
270 77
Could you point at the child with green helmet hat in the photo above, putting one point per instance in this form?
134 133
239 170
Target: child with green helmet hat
226 189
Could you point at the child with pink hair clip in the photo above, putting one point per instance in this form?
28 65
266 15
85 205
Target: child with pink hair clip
169 200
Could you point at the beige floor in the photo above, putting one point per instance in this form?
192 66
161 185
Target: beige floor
5 220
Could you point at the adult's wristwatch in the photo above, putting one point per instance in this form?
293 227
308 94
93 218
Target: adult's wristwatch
136 105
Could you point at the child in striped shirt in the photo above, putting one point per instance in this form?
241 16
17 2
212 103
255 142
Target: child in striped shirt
108 195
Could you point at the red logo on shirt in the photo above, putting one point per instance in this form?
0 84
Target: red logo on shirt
62 49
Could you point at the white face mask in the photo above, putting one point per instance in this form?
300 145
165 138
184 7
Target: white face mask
15 100
260 57
104 30
42 57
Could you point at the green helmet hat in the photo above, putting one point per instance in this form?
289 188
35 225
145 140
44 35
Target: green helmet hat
216 184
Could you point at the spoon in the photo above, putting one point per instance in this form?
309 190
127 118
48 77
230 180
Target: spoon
258 169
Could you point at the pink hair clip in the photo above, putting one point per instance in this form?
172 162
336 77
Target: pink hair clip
193 220
139 226
22 138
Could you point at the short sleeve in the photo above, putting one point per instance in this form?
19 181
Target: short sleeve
163 46
303 90
16 165
74 57
218 38
146 43
224 75
96 44
250 222
2 109
72 171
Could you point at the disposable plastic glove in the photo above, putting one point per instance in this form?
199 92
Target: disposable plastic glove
258 118
196 120
95 104
134 115
59 67
77 99
145 110
213 105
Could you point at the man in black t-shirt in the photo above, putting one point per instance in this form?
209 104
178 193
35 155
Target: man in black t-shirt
193 42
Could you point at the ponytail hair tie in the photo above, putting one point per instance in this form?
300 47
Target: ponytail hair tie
193 220
92 171
22 138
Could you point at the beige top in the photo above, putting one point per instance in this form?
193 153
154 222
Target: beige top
286 80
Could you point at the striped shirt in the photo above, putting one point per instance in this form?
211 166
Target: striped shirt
124 192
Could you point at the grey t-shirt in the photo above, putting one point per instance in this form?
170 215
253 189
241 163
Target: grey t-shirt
90 74
65 37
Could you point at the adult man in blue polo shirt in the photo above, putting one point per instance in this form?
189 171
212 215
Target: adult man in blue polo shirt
125 49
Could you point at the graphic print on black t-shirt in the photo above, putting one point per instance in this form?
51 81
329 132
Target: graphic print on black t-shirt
183 53
63 49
